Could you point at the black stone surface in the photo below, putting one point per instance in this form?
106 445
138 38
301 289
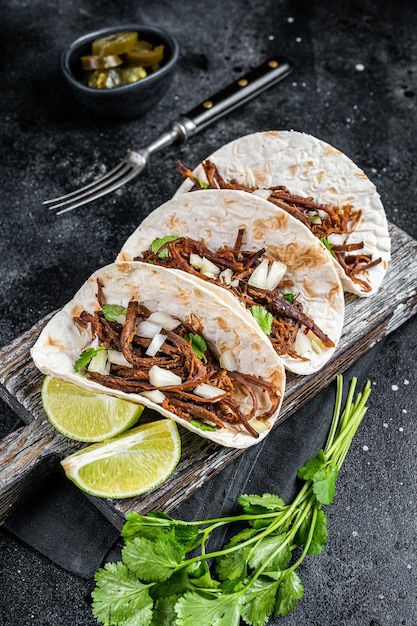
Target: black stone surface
355 87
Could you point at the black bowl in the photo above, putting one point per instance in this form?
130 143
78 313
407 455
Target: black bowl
127 101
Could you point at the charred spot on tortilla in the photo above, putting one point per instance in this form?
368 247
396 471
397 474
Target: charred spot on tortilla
54 343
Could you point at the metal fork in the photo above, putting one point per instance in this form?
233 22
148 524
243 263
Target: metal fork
234 95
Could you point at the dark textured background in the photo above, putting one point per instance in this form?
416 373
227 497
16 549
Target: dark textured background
354 86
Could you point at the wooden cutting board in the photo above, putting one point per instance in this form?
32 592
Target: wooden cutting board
30 454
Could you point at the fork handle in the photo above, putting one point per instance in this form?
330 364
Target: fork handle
234 95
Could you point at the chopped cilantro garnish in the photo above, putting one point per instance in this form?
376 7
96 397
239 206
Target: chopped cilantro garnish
169 575
113 311
158 243
289 297
328 245
201 183
203 425
198 345
85 358
264 318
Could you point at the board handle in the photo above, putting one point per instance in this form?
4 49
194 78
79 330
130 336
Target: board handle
28 456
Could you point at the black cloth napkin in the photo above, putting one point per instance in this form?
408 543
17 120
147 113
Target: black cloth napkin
62 524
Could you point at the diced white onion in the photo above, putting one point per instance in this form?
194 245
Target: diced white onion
209 274
258 425
158 377
156 343
262 193
148 329
120 319
196 261
228 361
276 273
118 358
208 391
99 363
235 283
302 344
154 395
259 275
167 322
316 343
208 266
226 276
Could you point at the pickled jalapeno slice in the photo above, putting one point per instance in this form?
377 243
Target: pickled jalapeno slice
143 57
94 62
117 43
120 59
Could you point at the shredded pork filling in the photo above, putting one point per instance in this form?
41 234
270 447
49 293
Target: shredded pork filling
178 356
288 317
322 219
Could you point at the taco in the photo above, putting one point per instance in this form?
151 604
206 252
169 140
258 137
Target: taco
266 265
317 184
161 339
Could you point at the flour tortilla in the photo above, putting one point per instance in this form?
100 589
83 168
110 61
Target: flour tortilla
309 167
215 216
62 341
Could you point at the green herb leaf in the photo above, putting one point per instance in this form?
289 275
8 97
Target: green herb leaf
164 611
257 505
198 345
319 538
201 183
328 245
195 608
324 476
158 243
113 311
153 560
289 297
263 317
233 565
273 549
203 425
120 598
290 590
259 601
85 358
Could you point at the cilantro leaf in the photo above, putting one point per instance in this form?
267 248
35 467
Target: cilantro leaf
195 608
201 183
153 560
198 345
259 601
112 311
164 612
233 565
120 598
263 317
289 297
274 548
257 505
290 590
85 358
328 245
323 475
203 425
158 243
319 537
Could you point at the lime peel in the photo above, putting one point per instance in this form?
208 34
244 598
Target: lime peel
131 464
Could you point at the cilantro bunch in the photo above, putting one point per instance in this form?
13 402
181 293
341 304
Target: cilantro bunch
168 576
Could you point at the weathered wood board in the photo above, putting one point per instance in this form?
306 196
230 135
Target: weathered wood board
28 455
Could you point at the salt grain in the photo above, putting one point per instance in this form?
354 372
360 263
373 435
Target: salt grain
365 448
359 67
394 387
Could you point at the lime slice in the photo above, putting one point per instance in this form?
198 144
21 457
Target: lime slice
86 416
128 465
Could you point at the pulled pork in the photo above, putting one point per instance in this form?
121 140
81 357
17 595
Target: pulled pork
288 317
178 356
322 219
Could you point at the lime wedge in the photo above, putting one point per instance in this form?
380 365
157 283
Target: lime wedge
86 416
132 463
